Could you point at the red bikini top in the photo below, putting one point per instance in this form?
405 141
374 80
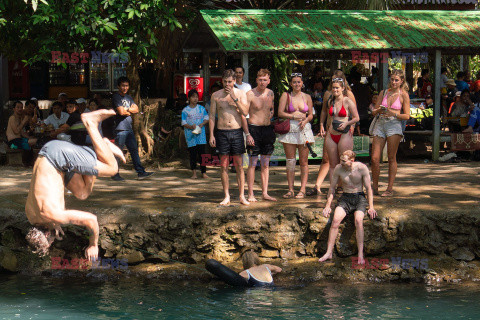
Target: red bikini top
342 113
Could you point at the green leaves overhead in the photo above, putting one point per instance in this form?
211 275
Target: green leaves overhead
31 29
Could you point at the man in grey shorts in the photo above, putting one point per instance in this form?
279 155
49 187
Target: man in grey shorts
355 176
63 164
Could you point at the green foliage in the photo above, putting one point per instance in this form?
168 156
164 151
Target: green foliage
474 66
31 29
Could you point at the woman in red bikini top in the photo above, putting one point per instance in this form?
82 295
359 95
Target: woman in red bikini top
340 109
339 138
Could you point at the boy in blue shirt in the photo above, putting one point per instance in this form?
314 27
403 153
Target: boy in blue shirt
195 115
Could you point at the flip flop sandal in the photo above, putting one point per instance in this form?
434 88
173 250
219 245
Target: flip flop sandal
289 195
300 195
312 192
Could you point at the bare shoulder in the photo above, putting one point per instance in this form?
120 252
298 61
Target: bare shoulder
405 95
307 96
270 93
338 167
348 101
362 167
327 95
216 94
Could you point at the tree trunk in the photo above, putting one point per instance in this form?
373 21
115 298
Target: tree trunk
144 141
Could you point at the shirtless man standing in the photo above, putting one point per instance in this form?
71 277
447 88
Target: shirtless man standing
355 176
229 103
62 163
260 102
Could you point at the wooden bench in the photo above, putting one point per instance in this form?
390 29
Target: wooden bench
14 157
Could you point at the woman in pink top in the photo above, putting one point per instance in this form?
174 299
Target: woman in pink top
298 107
393 105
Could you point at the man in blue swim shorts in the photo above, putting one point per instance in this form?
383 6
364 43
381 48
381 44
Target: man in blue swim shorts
63 164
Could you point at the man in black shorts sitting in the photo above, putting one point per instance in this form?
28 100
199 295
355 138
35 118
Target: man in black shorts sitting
229 103
355 176
260 102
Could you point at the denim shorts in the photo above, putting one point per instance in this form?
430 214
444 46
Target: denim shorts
387 127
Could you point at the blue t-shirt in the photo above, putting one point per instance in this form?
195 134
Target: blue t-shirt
194 116
122 122
462 85
475 118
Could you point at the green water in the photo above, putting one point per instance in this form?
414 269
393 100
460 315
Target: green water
24 297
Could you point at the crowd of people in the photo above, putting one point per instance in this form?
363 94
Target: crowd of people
27 127
238 118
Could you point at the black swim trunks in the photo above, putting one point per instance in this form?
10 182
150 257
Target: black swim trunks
70 158
230 141
264 138
352 202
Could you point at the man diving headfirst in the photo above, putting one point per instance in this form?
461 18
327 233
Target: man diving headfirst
60 164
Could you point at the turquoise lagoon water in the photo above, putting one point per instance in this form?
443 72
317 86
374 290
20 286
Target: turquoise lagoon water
23 297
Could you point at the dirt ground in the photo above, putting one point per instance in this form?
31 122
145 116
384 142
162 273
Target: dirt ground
419 186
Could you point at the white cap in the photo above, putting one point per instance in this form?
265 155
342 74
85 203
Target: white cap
62 94
81 100
33 98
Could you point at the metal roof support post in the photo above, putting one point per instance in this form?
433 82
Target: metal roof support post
206 73
383 75
245 65
461 63
436 111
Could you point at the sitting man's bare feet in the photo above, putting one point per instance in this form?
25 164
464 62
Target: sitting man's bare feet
225 202
244 201
194 176
115 150
97 116
326 256
252 198
204 176
265 196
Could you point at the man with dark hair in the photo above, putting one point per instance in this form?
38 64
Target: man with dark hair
74 127
16 135
125 107
230 104
460 82
239 84
363 97
63 164
56 119
260 107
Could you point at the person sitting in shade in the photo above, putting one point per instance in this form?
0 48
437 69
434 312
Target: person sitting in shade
56 119
17 137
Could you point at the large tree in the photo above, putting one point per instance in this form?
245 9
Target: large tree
31 29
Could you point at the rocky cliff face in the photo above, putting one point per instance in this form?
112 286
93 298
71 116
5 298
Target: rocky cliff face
287 233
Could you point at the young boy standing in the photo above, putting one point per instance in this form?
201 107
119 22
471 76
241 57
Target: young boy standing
195 115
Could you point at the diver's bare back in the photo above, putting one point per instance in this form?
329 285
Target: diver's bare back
353 180
228 115
260 106
46 192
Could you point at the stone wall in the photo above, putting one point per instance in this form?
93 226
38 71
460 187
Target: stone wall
287 233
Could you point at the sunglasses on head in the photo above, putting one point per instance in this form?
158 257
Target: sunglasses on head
293 75
337 79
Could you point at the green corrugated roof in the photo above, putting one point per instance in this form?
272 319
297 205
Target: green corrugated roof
292 30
